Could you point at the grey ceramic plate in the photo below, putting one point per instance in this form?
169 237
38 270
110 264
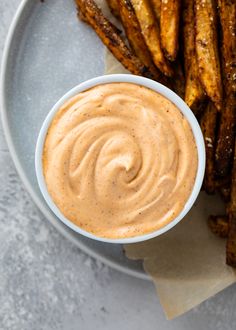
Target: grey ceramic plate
48 51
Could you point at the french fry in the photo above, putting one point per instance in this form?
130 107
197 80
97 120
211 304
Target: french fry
208 126
179 80
114 8
135 37
225 194
169 27
232 205
156 5
188 30
109 35
222 185
219 225
194 93
231 242
151 33
206 43
223 181
225 139
226 133
227 10
82 17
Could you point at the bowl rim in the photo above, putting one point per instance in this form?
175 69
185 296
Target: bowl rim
157 87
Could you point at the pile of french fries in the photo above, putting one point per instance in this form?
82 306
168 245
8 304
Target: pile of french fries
189 46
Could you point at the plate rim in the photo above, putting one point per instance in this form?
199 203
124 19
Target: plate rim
17 163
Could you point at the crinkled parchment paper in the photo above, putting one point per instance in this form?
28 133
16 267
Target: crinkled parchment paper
187 264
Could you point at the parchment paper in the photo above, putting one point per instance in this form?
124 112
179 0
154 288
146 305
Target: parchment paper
187 264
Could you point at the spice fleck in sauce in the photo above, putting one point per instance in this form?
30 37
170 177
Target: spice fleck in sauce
120 160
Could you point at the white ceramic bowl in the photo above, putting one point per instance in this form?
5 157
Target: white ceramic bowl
174 98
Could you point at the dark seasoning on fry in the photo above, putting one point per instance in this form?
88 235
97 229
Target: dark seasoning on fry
207 48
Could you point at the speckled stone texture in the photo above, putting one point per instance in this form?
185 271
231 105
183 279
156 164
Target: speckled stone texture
46 283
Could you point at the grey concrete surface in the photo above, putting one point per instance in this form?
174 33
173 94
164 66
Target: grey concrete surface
46 283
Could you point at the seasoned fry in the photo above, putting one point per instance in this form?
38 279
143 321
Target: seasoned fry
232 205
227 9
110 37
219 225
151 33
208 126
225 141
194 93
179 80
82 17
188 33
156 5
225 194
226 133
169 27
222 185
223 181
135 37
207 50
114 8
231 242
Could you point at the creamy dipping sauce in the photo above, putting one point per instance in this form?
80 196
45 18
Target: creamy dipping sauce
120 160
